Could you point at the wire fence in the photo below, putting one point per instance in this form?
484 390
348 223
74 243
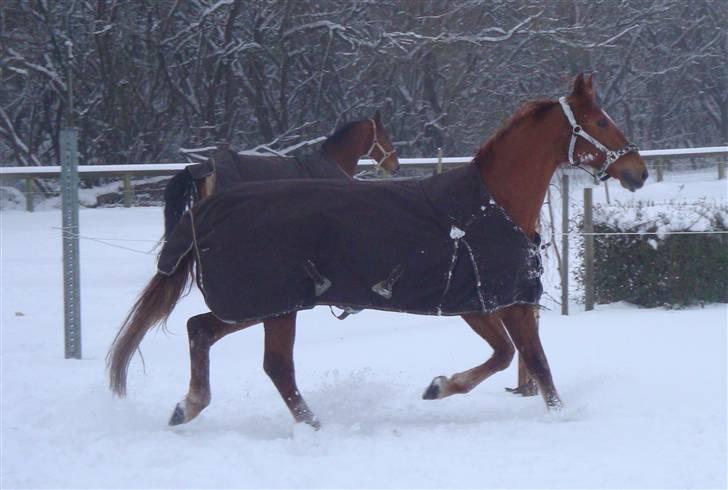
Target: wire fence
128 185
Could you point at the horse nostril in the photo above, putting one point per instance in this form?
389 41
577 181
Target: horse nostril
645 174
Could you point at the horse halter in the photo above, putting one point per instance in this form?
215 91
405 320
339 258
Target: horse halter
611 156
376 144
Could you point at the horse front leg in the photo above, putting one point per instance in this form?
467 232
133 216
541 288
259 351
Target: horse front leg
490 328
520 322
280 335
202 332
526 384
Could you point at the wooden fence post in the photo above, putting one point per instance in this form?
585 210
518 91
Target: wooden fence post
438 167
588 251
564 244
29 205
128 191
660 168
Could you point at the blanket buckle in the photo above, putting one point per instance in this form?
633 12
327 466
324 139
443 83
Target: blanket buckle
384 288
321 283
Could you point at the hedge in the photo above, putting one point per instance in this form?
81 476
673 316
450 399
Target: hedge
656 268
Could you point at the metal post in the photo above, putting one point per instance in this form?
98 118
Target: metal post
29 194
588 251
439 160
721 169
128 191
71 269
565 244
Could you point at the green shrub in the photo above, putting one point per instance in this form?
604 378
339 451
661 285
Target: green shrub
659 268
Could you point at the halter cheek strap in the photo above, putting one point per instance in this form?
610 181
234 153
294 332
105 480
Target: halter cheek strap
376 144
611 156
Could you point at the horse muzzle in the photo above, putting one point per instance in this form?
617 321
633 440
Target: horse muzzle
633 179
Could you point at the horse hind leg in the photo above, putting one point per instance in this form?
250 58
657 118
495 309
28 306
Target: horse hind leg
490 328
202 332
280 336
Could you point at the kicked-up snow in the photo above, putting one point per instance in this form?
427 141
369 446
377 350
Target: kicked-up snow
645 390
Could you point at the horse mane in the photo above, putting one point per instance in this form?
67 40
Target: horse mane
339 134
533 109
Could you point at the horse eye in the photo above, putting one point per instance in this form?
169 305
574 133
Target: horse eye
603 123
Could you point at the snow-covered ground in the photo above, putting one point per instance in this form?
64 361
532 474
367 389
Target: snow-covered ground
645 390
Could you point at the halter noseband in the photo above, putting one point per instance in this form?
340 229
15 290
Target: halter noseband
376 144
611 156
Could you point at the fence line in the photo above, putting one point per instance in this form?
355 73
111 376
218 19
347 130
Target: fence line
167 168
71 233
660 233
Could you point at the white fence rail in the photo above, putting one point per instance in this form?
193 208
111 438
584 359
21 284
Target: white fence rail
170 168
657 161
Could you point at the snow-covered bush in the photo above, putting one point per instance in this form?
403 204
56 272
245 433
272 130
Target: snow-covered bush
11 198
656 266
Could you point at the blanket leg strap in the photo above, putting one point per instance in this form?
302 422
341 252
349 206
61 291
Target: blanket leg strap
384 288
347 311
321 283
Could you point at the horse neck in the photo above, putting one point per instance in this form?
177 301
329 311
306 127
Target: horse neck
348 149
520 164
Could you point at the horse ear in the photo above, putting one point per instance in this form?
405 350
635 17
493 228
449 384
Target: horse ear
583 86
589 86
377 117
578 88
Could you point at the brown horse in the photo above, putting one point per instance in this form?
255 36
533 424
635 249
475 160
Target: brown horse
337 157
516 165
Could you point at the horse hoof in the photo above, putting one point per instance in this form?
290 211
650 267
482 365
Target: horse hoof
553 404
528 389
314 422
178 416
436 389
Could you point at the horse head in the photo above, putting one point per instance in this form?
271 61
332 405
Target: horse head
597 142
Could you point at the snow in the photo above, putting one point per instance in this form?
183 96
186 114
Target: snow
645 389
664 217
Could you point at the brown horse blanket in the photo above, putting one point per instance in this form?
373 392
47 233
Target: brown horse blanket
232 168
436 246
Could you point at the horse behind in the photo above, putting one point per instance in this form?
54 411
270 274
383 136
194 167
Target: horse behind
336 158
512 171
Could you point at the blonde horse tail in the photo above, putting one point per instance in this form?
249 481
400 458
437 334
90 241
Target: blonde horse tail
153 306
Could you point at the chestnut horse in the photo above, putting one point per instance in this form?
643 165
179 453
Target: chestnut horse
338 157
516 165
